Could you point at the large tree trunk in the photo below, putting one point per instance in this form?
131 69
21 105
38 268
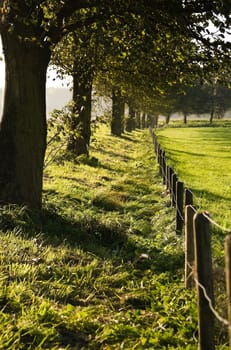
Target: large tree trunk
79 139
117 113
23 125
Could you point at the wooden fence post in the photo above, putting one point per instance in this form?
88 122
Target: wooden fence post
188 197
204 281
170 172
167 177
155 144
189 247
174 182
163 167
159 155
157 152
179 207
228 280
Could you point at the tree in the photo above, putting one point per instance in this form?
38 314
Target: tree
30 29
200 98
76 56
130 120
118 106
223 100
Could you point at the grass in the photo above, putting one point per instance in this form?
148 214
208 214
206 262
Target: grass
101 266
201 157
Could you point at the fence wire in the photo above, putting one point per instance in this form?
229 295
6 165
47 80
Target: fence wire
167 181
222 320
172 194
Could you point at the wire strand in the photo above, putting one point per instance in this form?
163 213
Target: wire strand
224 321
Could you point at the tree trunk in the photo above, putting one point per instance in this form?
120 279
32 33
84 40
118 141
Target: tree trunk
185 118
117 113
152 121
23 126
143 121
79 139
167 120
211 117
130 122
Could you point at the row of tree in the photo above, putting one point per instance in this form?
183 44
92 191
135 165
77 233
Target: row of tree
213 100
138 50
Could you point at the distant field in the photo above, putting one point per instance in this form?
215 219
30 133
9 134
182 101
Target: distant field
202 158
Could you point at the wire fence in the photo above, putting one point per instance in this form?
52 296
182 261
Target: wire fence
197 229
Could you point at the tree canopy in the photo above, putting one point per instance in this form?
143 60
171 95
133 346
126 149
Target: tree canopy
155 43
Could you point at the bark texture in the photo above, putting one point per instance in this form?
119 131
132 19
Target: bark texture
23 125
79 140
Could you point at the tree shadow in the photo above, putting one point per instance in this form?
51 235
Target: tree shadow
114 154
107 241
90 234
209 195
128 138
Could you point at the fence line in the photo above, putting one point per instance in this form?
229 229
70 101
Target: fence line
215 313
227 230
158 150
198 252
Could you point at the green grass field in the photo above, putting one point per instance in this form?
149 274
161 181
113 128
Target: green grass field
201 157
101 268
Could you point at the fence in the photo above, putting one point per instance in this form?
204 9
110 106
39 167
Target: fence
197 229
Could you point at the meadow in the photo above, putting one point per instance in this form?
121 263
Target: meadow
101 267
200 155
201 158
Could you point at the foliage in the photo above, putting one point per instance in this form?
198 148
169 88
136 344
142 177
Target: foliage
144 49
199 99
165 41
60 129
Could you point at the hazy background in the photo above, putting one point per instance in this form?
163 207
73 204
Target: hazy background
58 91
56 98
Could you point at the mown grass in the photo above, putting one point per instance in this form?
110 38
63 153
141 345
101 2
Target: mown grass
101 266
201 157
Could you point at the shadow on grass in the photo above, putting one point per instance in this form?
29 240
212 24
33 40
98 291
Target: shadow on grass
105 240
174 153
114 155
128 138
109 241
209 195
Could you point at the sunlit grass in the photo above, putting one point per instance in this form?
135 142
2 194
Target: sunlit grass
101 267
201 157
